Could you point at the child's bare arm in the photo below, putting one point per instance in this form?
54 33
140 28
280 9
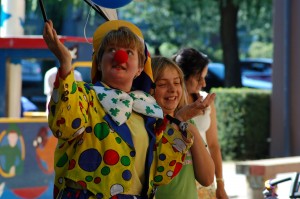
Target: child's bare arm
57 48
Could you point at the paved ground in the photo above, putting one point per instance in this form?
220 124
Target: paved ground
236 186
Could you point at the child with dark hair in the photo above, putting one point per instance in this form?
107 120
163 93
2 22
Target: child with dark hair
194 65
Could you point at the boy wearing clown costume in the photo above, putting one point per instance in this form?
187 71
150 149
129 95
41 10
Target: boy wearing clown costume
109 143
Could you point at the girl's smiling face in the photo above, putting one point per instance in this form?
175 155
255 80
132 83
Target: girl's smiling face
119 75
168 91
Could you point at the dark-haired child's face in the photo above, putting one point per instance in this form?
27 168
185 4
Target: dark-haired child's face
196 83
119 76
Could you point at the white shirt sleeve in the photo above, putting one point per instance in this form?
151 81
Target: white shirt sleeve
78 76
49 79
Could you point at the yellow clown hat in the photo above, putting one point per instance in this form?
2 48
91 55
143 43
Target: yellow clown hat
142 82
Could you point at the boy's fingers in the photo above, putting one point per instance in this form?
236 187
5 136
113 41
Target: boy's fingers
50 22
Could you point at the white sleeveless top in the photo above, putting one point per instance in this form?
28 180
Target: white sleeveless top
202 122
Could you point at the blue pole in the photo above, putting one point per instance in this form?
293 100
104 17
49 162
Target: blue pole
286 77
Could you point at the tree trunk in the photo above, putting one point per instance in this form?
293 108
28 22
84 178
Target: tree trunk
229 39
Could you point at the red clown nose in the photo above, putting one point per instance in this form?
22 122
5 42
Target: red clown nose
121 56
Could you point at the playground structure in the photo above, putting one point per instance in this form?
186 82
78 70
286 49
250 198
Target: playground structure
26 164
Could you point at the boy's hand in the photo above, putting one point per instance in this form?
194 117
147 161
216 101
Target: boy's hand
57 48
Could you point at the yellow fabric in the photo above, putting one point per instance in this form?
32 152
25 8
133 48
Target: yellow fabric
93 154
106 27
134 122
148 68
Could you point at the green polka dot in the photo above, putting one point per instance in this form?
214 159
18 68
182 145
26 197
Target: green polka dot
125 160
118 140
158 178
105 170
101 130
74 88
160 169
62 161
88 178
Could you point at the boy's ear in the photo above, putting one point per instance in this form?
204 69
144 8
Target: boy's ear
140 69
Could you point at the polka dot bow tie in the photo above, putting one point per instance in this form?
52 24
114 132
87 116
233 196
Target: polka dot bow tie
119 104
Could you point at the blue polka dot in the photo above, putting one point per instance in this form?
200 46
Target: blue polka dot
132 153
87 86
162 157
89 129
170 132
99 195
89 160
76 123
126 175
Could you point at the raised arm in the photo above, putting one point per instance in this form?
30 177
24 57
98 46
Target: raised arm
203 164
57 48
204 168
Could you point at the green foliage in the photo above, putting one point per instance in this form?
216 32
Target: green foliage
180 24
260 49
215 55
255 22
196 23
168 49
57 10
243 117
